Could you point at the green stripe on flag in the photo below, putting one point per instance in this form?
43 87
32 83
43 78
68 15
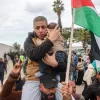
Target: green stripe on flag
88 18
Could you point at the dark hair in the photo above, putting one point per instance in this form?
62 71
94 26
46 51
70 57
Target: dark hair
79 59
98 91
52 25
39 18
74 52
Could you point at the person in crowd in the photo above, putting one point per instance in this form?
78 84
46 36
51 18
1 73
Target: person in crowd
90 93
74 94
16 59
3 68
87 61
66 91
8 90
84 58
98 93
22 58
25 65
74 65
90 72
35 54
48 86
5 61
80 69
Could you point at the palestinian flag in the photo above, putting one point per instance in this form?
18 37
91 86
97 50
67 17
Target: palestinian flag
87 17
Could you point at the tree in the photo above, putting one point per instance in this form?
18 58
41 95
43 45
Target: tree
16 47
66 33
58 7
83 35
80 35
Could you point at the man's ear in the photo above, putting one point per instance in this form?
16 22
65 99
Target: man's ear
33 27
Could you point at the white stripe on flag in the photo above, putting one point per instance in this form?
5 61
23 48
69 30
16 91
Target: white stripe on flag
97 64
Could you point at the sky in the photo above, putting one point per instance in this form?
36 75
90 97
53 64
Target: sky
16 17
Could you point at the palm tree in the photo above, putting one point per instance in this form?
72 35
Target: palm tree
58 7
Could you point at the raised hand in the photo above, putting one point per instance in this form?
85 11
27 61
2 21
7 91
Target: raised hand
53 35
17 68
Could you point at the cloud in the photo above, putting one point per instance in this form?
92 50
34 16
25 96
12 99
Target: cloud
96 2
97 5
16 17
35 8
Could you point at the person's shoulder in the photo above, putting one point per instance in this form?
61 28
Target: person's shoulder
92 86
30 36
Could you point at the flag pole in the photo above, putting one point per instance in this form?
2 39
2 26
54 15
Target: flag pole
70 48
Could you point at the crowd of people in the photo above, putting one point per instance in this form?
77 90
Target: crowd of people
45 67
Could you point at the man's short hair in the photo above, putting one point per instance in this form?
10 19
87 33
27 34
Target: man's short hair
79 59
74 52
39 18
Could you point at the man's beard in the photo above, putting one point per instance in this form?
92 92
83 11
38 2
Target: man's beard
50 96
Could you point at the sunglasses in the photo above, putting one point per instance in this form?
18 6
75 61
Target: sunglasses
38 27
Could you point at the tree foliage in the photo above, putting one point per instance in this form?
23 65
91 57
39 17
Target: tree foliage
16 50
58 7
80 34
16 47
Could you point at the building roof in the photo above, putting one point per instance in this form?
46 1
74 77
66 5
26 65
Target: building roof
5 44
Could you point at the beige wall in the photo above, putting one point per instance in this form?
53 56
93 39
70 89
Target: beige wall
4 48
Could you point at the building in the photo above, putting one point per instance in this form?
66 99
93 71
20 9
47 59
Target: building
4 49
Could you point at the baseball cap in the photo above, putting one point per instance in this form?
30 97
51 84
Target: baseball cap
49 81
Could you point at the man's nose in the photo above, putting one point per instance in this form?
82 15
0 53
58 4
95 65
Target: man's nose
40 29
52 91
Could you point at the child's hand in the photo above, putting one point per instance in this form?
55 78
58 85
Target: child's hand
53 35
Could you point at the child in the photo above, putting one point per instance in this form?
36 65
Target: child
61 56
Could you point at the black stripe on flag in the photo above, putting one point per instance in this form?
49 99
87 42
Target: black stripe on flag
94 47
